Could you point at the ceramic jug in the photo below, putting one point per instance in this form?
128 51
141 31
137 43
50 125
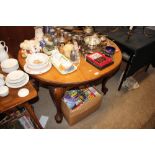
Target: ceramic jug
3 51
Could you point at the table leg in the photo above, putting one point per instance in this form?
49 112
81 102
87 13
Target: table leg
33 116
104 88
56 95
35 84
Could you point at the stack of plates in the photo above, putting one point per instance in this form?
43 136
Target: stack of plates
9 65
17 79
37 63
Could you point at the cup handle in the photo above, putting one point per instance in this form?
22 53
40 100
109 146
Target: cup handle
6 48
2 42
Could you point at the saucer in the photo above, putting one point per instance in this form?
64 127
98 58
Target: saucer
23 92
35 72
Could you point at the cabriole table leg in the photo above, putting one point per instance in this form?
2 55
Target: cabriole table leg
104 88
56 95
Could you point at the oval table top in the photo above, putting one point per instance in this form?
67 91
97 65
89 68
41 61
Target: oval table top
84 74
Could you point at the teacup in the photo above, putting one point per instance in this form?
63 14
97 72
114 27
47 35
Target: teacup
4 91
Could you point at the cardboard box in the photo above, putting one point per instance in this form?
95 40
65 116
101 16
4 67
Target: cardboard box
75 115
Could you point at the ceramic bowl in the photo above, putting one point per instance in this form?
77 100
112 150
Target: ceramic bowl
4 91
9 65
110 50
37 59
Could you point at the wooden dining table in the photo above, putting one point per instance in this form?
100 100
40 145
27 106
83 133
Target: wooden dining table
86 74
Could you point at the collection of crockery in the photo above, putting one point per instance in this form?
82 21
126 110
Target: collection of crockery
39 59
68 45
15 78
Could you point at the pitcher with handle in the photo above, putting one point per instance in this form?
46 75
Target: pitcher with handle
3 51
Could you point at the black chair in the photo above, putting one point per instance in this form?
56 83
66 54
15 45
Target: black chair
128 59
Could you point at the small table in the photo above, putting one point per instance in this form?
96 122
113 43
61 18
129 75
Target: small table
84 75
13 101
138 47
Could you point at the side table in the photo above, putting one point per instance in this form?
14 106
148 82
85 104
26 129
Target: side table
13 101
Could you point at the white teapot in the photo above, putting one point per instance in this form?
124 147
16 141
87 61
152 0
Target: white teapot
3 51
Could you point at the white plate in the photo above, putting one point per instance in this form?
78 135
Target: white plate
43 58
16 81
20 84
15 75
35 72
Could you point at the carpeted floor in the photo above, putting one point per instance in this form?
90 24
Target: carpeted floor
119 109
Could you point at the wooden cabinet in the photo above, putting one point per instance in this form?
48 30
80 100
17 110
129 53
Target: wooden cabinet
14 35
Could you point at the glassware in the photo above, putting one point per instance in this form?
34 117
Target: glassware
55 41
52 31
39 33
75 55
61 39
65 35
69 37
